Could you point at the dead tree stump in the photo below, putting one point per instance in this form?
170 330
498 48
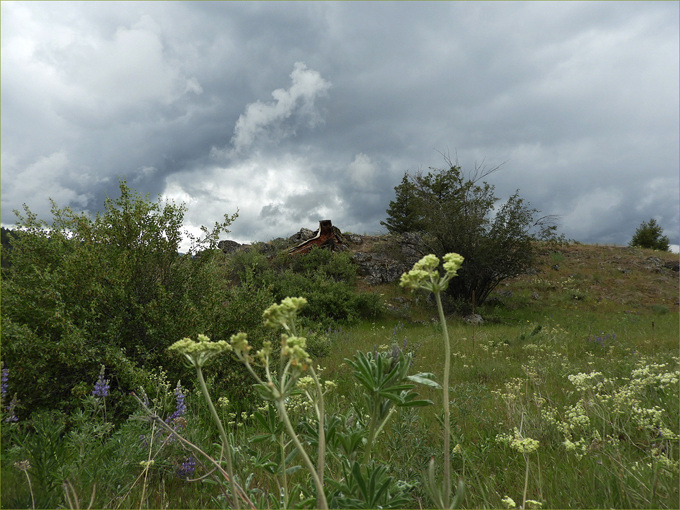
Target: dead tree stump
327 236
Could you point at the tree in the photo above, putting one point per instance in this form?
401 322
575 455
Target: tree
403 213
460 213
649 235
81 292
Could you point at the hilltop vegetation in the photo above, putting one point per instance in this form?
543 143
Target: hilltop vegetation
579 353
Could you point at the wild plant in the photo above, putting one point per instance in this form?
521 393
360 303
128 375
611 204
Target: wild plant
425 276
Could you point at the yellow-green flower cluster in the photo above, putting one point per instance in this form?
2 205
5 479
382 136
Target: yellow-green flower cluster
524 445
199 352
518 442
508 502
424 274
282 315
294 348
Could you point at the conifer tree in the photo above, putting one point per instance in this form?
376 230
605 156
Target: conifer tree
403 214
649 235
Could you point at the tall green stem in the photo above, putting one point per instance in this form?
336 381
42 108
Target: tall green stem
223 434
320 494
320 410
447 421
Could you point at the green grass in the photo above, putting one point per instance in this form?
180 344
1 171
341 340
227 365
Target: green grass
607 438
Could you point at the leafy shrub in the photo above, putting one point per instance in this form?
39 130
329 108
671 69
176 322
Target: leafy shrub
327 280
111 290
458 213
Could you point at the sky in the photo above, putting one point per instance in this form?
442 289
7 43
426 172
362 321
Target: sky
293 113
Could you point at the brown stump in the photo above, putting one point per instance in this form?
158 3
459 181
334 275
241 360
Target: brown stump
327 236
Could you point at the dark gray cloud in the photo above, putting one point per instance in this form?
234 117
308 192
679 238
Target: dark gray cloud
294 112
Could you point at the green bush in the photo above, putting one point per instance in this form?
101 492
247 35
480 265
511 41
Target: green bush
459 213
111 290
327 280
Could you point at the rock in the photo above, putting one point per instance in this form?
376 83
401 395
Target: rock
673 266
303 235
411 245
556 267
474 318
654 261
229 246
535 296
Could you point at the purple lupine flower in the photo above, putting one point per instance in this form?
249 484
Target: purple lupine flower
180 407
101 387
187 468
4 384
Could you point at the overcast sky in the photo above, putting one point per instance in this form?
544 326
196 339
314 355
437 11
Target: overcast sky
297 112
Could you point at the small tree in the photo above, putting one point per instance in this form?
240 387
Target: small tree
403 214
458 213
649 235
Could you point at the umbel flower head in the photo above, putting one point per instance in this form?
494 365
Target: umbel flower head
199 352
284 314
424 274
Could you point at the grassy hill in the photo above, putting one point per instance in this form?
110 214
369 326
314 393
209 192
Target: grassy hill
578 358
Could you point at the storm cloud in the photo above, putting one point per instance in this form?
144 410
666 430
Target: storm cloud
297 112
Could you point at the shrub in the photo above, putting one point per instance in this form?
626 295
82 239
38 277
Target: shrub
111 290
326 279
458 213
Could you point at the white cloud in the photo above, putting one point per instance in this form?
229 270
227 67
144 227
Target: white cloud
591 210
262 117
362 171
50 177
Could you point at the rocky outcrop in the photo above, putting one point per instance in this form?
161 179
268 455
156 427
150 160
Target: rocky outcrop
387 265
229 246
381 259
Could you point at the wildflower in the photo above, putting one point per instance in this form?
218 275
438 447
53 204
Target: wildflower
198 353
531 503
283 314
424 274
508 502
187 468
4 384
180 407
24 465
294 348
525 445
101 387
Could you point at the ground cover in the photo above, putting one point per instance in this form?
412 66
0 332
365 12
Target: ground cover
566 396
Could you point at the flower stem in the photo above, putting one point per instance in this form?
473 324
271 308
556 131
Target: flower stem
320 496
447 421
223 434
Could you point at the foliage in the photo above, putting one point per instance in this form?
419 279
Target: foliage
404 215
459 213
111 290
325 279
650 235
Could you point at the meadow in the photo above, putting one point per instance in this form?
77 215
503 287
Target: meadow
564 396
